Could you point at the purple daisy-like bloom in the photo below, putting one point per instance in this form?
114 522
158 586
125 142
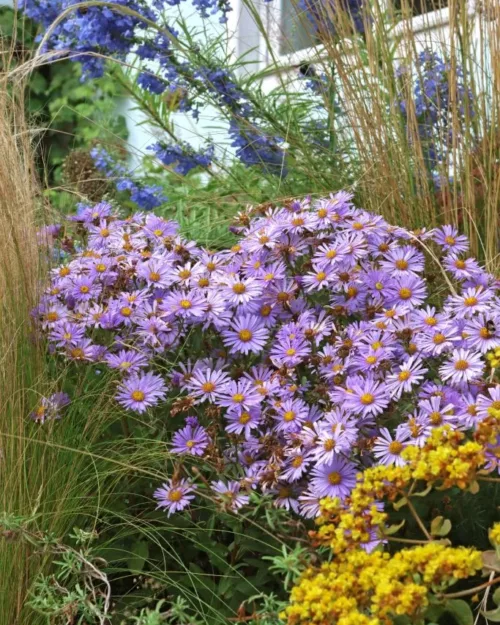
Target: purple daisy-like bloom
66 333
85 289
296 465
243 422
403 261
286 497
205 384
472 301
50 407
246 334
367 398
483 332
174 496
185 304
241 290
436 412
229 494
191 440
291 414
156 272
409 291
388 450
449 239
127 360
334 479
141 391
309 504
484 403
463 366
410 373
330 443
238 396
461 268
290 352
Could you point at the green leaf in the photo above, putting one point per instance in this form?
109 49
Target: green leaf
138 556
496 596
393 529
440 526
461 612
400 503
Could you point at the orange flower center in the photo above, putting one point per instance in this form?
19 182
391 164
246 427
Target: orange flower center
395 447
334 478
138 396
402 264
245 335
367 399
461 365
239 288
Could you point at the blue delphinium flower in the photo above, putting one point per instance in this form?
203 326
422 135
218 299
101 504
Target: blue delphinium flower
146 197
254 147
182 156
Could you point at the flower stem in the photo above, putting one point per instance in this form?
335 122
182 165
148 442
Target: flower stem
470 591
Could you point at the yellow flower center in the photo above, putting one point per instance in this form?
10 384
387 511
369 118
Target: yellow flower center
263 239
138 396
239 288
185 304
322 213
238 398
84 288
470 301
334 478
461 365
395 447
190 444
403 376
104 232
402 264
184 274
439 338
64 271
379 286
371 360
352 291
460 264
331 254
265 310
298 221
77 352
320 276
244 418
289 416
283 296
126 364
484 333
431 321
158 232
367 399
100 267
175 495
405 293
297 462
291 351
236 248
52 316
154 276
211 266
436 418
208 387
450 240
329 444
269 276
125 311
203 282
245 335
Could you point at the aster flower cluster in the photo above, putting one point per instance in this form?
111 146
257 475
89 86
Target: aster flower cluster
145 196
311 349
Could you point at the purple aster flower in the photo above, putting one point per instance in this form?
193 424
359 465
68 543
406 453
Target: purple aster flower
296 466
403 261
238 396
366 397
472 301
449 239
127 360
436 412
241 290
387 449
286 497
246 334
334 479
330 444
50 408
290 352
438 341
461 268
416 430
85 289
174 496
185 304
205 384
484 403
243 422
483 332
156 272
65 333
191 440
309 504
409 291
82 350
229 494
463 366
141 391
291 414
410 373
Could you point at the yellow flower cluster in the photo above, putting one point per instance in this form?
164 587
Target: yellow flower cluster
360 588
493 358
448 458
494 534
